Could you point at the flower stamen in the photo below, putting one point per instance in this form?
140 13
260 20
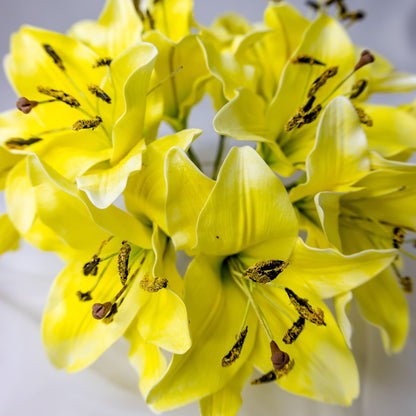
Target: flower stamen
294 331
123 261
60 96
265 271
18 143
87 124
235 351
98 92
305 310
153 285
56 58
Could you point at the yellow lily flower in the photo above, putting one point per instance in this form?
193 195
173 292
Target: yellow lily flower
238 52
355 200
323 66
84 113
252 276
180 69
116 282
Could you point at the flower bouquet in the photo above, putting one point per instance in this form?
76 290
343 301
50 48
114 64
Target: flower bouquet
276 238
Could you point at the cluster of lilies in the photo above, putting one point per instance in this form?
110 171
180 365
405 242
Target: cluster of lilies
86 175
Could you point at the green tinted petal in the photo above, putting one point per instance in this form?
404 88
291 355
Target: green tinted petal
248 211
216 310
342 304
147 359
227 401
145 195
20 198
331 273
131 73
118 27
324 367
187 191
327 41
393 130
10 236
382 302
53 205
340 155
243 118
73 338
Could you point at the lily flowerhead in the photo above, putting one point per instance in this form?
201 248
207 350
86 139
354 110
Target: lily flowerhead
324 65
84 114
355 200
254 289
120 279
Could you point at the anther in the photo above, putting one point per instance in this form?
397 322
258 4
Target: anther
98 92
235 351
279 358
364 117
150 19
56 58
398 237
305 59
101 310
406 284
91 267
265 271
321 80
265 378
314 5
87 124
301 118
366 58
123 261
293 332
25 105
305 310
358 88
353 16
21 144
153 285
60 96
106 61
84 296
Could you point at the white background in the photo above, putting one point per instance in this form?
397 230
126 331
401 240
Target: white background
29 384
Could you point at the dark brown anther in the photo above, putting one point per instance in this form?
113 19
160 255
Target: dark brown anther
25 105
110 316
98 92
321 80
56 58
364 117
407 284
313 5
293 332
102 62
153 285
235 350
358 88
87 124
305 59
60 96
91 267
398 237
84 296
20 144
308 106
366 58
101 310
265 378
265 271
279 358
123 261
305 310
353 16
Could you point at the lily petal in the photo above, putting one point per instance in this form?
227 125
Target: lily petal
118 27
248 211
187 191
10 236
209 300
331 273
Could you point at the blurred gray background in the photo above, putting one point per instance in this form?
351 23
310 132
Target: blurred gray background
30 384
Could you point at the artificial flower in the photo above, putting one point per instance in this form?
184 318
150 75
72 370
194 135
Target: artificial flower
355 200
250 276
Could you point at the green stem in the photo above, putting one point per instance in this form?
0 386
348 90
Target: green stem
220 155
194 158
